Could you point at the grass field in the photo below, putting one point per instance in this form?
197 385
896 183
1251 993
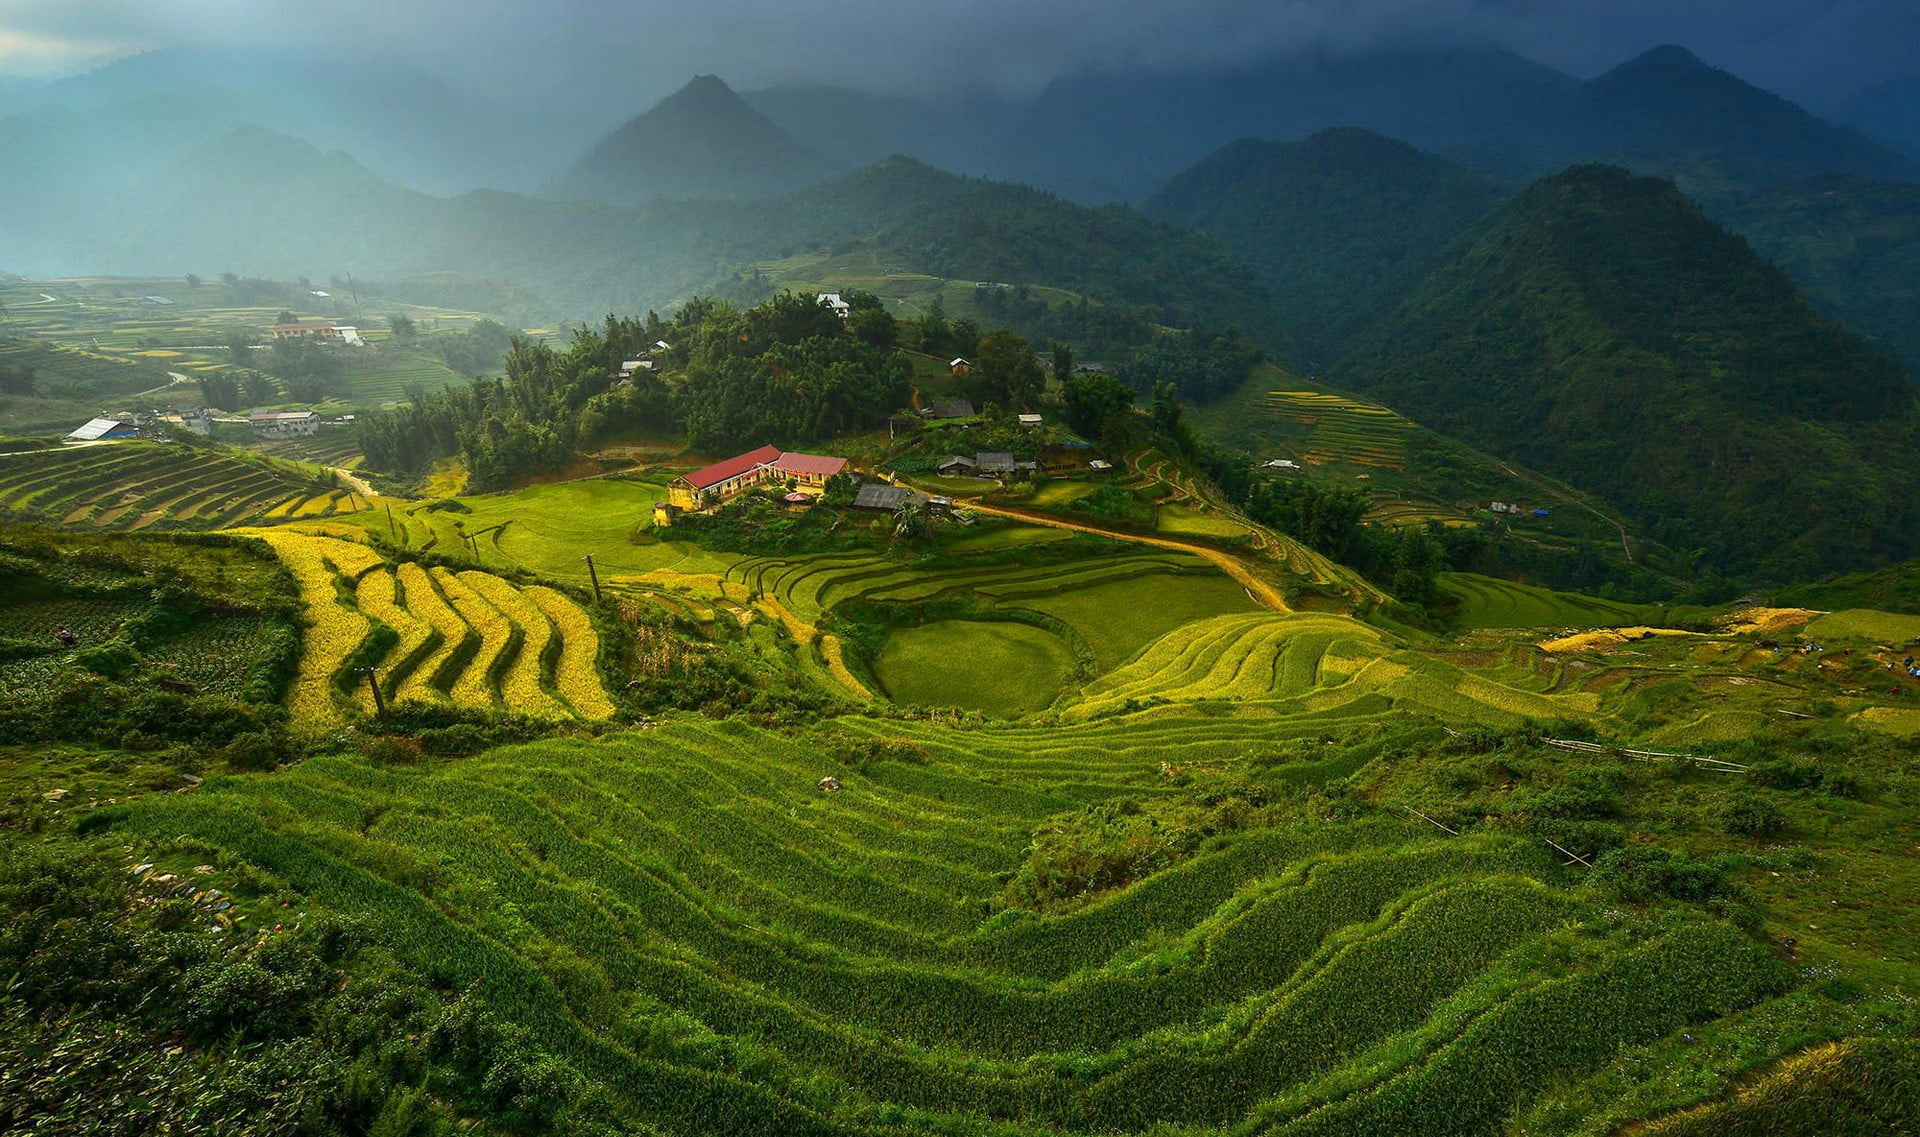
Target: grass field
999 667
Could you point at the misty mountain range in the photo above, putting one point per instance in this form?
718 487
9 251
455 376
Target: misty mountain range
202 161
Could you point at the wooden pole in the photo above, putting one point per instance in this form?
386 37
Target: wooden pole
373 684
391 530
595 577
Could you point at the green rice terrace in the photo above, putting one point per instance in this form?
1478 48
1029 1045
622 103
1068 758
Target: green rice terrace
1413 474
138 485
1034 828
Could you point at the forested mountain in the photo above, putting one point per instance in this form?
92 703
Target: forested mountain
1331 223
703 141
1853 247
1602 329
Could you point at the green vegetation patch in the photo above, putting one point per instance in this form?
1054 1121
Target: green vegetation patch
997 666
1889 628
1120 618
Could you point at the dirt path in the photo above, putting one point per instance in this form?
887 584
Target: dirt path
1262 592
1268 543
354 482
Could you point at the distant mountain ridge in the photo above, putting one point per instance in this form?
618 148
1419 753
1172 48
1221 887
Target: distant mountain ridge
703 141
260 203
1603 330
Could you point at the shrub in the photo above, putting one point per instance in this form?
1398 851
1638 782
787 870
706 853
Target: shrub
391 749
1750 815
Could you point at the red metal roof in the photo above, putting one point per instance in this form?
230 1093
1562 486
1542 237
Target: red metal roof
809 464
732 468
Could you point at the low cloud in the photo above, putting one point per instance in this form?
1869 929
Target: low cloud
595 47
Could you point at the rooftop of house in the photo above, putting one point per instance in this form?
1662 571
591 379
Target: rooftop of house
877 495
713 475
818 464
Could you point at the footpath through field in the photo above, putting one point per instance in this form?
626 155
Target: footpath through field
1260 590
1267 542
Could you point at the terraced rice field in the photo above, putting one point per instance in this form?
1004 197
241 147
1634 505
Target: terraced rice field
134 485
1865 624
336 447
1186 520
1486 602
1340 429
467 638
1308 664
682 915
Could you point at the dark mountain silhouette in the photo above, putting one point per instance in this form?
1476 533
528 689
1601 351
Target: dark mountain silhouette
1667 112
1333 224
1600 328
703 141
1122 134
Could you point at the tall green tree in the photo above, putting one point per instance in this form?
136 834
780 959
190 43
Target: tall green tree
1005 369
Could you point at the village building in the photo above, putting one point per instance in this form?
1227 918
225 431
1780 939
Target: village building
197 420
958 366
1099 465
880 496
322 331
941 410
1280 464
284 424
832 300
110 429
987 464
1031 420
722 480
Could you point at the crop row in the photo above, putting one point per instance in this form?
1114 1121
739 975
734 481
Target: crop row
135 484
683 916
469 638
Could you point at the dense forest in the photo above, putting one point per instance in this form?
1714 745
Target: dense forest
788 371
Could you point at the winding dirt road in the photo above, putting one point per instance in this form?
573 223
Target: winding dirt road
1261 591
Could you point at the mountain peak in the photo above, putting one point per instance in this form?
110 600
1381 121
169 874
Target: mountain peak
702 141
702 89
1667 56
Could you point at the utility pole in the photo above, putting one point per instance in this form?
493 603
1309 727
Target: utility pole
595 577
373 684
391 531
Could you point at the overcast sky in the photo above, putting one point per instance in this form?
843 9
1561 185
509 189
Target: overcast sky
1810 49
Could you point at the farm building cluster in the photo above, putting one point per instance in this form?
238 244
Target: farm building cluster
769 464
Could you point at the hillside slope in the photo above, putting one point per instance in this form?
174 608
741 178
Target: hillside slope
703 141
1603 330
1330 223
